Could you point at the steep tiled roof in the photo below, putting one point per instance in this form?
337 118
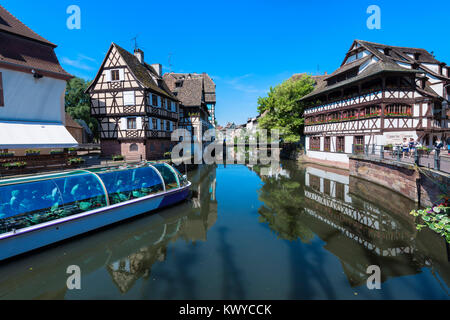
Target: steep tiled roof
144 73
376 68
195 88
11 24
21 48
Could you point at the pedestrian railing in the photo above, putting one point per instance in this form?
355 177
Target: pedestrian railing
434 159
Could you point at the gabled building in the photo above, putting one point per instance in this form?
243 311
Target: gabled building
197 95
32 87
135 109
379 95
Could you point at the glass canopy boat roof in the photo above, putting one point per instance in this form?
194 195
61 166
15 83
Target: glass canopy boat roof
28 201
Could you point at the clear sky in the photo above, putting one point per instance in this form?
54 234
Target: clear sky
246 46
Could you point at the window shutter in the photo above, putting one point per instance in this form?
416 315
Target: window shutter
121 74
108 75
128 98
171 126
158 123
2 100
150 123
159 102
123 123
139 123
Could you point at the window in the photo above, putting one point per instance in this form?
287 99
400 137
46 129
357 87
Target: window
155 124
128 98
358 144
154 100
327 144
178 84
2 101
398 110
134 147
340 144
314 143
115 75
131 123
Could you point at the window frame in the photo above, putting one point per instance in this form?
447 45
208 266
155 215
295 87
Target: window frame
128 123
113 71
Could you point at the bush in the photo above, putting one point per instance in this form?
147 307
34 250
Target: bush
117 157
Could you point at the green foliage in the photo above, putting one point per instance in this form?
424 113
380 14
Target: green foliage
19 164
118 157
436 218
32 152
167 155
78 103
284 111
76 160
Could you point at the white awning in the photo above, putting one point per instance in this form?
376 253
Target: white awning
22 135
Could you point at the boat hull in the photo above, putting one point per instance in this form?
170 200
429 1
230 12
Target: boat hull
38 236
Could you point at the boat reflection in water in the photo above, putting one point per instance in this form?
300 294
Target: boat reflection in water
127 255
360 232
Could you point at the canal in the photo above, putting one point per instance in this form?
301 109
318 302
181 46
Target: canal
294 232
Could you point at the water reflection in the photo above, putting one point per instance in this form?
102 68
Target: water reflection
127 251
362 224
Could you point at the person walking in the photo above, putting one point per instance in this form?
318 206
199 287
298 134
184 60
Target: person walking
412 147
437 146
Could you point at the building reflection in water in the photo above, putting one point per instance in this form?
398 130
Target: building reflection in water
127 251
192 226
362 224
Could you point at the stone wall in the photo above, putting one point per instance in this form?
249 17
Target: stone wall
402 178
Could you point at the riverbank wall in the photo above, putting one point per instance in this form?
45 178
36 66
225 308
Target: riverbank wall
423 185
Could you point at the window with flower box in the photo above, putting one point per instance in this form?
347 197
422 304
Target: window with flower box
371 111
340 144
314 143
398 110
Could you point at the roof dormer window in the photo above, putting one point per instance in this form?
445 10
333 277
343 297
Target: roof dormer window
387 51
416 56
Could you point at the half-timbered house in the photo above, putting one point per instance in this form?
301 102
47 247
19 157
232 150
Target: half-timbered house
197 95
135 108
32 87
379 95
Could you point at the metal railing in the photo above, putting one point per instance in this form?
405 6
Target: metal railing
430 158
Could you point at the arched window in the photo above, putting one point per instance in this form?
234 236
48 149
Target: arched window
134 147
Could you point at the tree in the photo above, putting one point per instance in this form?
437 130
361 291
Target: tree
284 111
78 105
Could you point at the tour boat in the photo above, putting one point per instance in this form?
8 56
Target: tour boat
40 210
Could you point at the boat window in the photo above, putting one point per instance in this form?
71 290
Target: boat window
169 176
27 204
181 178
130 184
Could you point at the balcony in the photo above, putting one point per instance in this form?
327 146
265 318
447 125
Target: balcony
162 113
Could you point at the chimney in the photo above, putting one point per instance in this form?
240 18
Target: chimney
158 68
326 73
139 54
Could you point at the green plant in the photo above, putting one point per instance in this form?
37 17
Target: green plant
75 160
117 157
32 152
56 152
436 218
167 154
19 164
6 154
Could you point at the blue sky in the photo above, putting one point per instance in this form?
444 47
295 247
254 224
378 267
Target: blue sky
246 46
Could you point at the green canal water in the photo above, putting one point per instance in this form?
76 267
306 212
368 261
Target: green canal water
288 232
